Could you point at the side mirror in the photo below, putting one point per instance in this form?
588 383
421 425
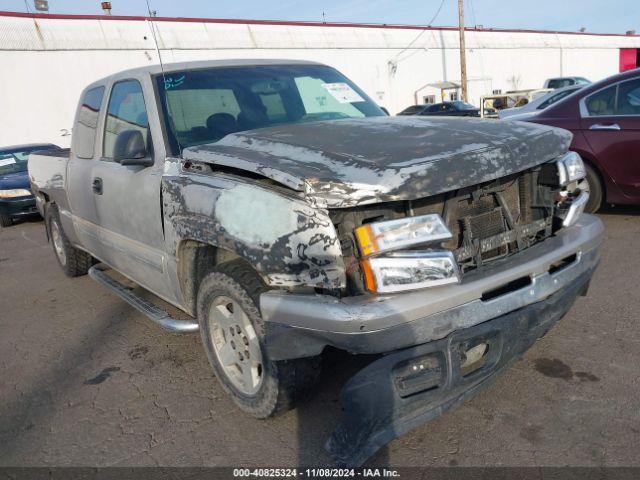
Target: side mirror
130 149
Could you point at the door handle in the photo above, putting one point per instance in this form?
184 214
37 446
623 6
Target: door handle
96 185
604 126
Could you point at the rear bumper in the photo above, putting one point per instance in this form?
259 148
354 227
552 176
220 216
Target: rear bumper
302 325
16 207
407 388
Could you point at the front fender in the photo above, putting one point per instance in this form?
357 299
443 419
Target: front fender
288 242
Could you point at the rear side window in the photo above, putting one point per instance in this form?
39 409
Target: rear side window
602 102
84 136
126 111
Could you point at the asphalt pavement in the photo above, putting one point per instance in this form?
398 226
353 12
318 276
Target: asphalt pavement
88 381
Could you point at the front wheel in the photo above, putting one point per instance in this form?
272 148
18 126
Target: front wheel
233 336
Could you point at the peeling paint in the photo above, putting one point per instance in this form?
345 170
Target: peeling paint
288 242
254 215
344 163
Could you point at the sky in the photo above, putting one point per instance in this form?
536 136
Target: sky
602 16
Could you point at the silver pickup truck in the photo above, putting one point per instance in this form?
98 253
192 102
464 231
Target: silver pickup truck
279 207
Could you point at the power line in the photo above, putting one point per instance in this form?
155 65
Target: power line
422 32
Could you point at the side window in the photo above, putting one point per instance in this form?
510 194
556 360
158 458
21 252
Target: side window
126 111
602 103
84 136
628 98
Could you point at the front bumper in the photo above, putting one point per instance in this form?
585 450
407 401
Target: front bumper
16 207
303 325
407 388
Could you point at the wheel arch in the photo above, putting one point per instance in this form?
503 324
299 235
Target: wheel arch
588 159
195 258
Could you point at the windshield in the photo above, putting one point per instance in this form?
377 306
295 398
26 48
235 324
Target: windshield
463 105
13 162
202 106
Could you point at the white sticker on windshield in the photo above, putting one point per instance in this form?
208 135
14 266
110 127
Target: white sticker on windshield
7 161
342 92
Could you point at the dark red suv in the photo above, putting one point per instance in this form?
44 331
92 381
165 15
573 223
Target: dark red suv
604 118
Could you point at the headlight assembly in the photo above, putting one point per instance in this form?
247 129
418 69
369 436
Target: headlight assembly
410 271
16 192
396 234
570 168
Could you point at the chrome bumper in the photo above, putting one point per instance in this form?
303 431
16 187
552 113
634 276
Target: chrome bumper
302 325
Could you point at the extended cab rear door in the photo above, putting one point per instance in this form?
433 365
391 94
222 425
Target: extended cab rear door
127 197
81 217
610 121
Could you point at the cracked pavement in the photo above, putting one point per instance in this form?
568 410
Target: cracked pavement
88 381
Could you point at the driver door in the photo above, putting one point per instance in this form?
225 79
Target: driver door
127 197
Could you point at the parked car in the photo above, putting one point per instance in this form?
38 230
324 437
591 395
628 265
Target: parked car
490 105
539 103
450 109
604 118
16 199
560 82
278 206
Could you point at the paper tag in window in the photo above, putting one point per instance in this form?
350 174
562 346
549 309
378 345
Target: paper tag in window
7 161
342 92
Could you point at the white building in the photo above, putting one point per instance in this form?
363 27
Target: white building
46 60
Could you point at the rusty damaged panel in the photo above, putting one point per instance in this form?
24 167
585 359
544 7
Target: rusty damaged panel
343 163
288 242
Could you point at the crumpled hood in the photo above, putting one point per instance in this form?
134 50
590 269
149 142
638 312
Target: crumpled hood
342 163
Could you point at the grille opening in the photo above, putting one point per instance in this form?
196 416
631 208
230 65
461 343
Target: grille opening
512 286
562 264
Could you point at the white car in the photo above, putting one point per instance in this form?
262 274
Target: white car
560 82
538 104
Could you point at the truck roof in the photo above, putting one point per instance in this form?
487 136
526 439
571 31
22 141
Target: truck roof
194 65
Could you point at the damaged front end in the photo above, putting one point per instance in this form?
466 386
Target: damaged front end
407 388
484 225
476 227
448 261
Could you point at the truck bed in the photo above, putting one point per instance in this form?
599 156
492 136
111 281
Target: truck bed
48 175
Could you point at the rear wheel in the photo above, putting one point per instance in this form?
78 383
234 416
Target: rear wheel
596 190
233 336
74 262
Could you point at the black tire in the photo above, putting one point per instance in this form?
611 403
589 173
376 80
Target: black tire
74 262
596 190
5 220
282 383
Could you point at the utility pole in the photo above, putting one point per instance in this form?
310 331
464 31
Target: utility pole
463 57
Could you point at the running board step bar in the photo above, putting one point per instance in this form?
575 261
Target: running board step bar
144 306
